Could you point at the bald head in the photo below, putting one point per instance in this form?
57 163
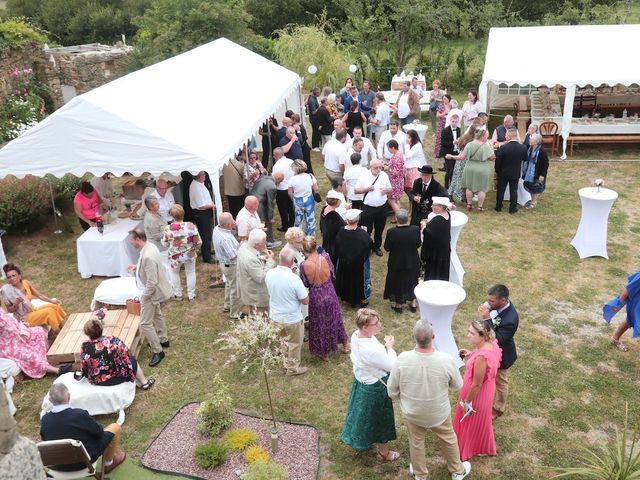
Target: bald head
286 122
287 257
251 203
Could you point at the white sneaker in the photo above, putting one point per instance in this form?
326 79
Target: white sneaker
460 476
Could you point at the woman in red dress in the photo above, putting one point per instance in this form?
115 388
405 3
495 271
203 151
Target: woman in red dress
472 421
395 170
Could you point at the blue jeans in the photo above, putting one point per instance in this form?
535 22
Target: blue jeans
305 210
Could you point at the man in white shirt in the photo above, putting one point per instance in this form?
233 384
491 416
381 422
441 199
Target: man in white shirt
394 133
382 117
408 105
421 379
202 206
415 86
367 150
165 198
335 155
374 184
351 176
338 125
287 294
248 218
282 173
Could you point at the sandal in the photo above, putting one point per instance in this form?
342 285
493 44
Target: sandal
150 382
391 456
480 209
619 345
469 207
346 348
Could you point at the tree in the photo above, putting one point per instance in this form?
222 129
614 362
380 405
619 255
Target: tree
170 27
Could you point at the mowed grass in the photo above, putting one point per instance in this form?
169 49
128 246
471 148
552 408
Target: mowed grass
568 387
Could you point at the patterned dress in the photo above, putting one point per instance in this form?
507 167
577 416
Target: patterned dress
106 361
396 175
183 239
27 346
456 191
326 329
441 123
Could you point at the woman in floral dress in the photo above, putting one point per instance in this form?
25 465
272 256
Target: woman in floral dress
326 329
395 169
183 239
456 190
106 361
27 346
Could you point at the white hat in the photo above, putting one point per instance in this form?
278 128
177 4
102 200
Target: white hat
444 201
334 194
352 214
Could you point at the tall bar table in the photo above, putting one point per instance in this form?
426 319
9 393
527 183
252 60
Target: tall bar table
438 301
456 271
591 237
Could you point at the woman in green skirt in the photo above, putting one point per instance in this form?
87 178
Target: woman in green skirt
369 417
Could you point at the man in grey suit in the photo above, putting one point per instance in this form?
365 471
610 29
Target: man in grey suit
265 191
253 263
151 278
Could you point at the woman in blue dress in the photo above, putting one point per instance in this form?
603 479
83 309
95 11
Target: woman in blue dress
631 297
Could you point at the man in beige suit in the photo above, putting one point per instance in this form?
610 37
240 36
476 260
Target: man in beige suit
151 278
253 263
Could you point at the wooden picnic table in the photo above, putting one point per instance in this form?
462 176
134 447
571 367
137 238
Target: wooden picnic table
117 323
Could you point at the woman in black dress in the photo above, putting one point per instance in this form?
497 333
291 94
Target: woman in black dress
330 224
353 118
353 248
403 265
436 241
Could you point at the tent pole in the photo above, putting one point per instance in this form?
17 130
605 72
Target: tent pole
270 162
57 231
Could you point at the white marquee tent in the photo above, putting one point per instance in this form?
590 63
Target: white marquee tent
570 56
191 112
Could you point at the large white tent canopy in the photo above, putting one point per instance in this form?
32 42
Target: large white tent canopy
570 56
191 112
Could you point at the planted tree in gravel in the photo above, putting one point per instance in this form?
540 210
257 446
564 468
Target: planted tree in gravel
256 342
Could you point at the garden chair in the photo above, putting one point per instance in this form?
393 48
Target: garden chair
549 132
68 452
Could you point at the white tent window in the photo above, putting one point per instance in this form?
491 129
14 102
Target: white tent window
570 56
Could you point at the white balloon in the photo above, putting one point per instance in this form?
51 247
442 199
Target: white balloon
353 68
312 69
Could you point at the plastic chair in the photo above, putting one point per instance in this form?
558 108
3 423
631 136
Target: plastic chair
68 452
549 132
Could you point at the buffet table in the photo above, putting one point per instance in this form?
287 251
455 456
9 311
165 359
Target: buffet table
108 254
619 126
591 238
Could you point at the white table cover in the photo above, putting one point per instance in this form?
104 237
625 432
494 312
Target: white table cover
438 301
523 195
591 237
420 129
594 127
95 399
115 291
108 254
456 271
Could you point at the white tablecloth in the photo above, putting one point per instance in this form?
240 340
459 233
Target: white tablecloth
115 291
3 259
456 271
591 237
438 301
602 127
109 254
420 129
523 195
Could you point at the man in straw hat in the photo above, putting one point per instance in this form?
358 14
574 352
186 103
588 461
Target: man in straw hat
422 193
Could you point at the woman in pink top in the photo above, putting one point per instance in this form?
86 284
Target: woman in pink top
472 421
395 169
87 204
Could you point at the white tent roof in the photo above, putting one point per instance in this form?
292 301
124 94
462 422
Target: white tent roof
571 56
191 112
563 55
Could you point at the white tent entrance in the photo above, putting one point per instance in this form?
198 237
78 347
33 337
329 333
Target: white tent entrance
566 56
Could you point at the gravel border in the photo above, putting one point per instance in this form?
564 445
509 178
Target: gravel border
171 451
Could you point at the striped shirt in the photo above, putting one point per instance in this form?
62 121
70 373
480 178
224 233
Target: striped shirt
225 245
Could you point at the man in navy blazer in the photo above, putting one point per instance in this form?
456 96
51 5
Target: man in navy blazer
63 422
500 314
509 159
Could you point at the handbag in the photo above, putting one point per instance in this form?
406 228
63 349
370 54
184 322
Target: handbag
133 306
316 195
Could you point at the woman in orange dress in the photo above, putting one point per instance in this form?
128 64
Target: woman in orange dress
17 295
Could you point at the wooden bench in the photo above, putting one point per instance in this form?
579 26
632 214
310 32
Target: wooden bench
117 323
601 139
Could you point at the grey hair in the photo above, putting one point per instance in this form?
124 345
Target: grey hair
287 256
423 334
536 137
149 200
402 216
278 151
58 394
354 221
256 236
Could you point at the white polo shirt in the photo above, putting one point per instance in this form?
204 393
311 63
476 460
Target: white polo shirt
335 154
286 290
165 203
399 137
283 166
383 115
351 176
377 197
247 221
368 151
199 195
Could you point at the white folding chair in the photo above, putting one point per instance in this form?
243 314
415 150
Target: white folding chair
68 452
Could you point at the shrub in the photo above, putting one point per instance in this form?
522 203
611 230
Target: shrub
211 454
16 32
256 455
66 187
266 471
216 411
240 438
22 202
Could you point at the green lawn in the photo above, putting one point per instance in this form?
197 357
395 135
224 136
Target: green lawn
568 387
